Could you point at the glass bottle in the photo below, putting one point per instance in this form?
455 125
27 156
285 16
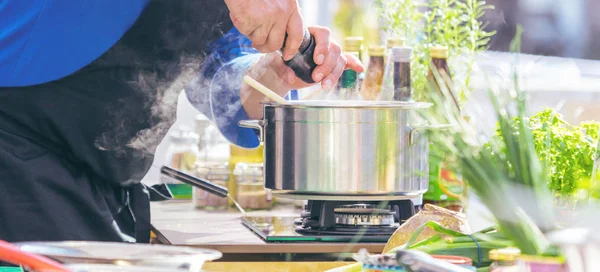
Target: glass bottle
182 154
349 85
446 187
212 164
354 44
504 260
439 59
241 155
400 59
387 92
373 82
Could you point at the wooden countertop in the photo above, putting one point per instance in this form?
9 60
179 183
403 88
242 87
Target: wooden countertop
178 223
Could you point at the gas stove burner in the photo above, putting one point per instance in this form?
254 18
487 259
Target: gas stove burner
364 217
349 230
357 206
373 218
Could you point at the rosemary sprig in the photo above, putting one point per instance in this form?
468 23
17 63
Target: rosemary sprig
452 23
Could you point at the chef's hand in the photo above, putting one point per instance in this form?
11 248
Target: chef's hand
274 74
329 59
265 23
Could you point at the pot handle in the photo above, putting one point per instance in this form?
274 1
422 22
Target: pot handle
254 124
417 129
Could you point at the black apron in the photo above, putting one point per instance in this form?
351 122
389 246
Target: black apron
73 151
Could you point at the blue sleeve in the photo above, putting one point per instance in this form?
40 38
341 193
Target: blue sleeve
45 40
216 92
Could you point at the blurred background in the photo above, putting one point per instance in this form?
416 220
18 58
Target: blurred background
562 36
563 28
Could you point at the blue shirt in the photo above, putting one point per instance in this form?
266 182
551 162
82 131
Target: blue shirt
45 40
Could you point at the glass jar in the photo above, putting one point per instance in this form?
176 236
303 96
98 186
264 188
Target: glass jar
217 173
252 194
504 260
241 155
182 154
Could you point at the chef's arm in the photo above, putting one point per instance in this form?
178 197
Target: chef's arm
220 94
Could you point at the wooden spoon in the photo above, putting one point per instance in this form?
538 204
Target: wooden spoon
266 91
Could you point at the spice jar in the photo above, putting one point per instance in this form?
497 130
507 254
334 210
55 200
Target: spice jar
251 194
217 173
504 260
182 154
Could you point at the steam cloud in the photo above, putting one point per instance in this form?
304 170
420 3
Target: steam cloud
161 54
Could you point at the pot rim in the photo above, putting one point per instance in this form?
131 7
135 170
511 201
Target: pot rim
361 104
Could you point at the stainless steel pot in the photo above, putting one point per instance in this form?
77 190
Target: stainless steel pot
345 150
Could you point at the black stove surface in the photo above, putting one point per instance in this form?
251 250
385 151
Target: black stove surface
372 222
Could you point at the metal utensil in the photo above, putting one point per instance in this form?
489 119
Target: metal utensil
203 184
123 254
170 173
416 261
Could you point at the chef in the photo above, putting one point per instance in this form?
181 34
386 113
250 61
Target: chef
89 88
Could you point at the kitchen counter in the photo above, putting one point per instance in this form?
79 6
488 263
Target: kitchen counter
178 223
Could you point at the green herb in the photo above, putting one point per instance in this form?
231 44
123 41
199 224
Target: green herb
452 23
507 175
567 150
475 246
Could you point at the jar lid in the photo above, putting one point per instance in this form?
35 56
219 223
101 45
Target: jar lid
401 54
439 52
216 170
395 42
245 172
376 51
353 43
504 254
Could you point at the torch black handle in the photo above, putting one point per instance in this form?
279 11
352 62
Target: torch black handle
303 63
194 181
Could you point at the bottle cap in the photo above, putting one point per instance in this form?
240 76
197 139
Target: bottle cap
401 54
376 51
439 52
504 254
395 42
353 44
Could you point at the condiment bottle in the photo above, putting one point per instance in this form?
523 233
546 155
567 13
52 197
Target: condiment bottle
387 93
504 260
354 44
303 63
400 59
348 84
182 154
375 73
439 59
